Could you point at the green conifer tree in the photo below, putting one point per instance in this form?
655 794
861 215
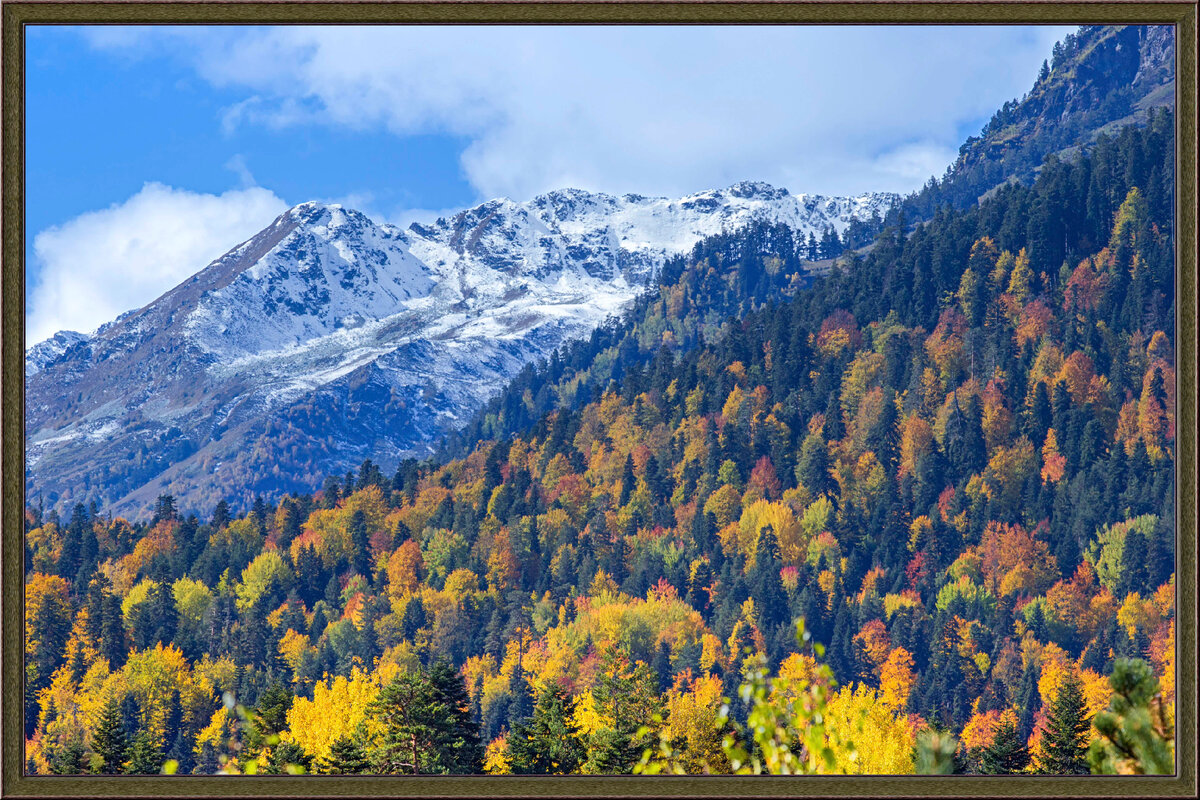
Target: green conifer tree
68 758
1007 754
1138 733
109 740
145 756
1065 742
627 694
547 743
347 756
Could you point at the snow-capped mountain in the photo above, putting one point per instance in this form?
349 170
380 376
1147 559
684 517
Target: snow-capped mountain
49 350
328 338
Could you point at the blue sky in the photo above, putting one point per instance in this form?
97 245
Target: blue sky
151 151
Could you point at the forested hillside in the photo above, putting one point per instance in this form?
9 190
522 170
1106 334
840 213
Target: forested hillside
953 457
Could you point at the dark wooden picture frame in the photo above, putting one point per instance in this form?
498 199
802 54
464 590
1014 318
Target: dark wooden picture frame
16 15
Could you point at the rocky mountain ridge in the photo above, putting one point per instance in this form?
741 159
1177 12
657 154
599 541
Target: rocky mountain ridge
327 338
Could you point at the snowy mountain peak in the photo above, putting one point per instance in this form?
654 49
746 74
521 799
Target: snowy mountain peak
327 338
49 350
757 190
334 265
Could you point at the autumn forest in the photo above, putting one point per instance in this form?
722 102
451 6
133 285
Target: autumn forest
915 514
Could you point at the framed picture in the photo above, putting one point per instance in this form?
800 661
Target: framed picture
599 399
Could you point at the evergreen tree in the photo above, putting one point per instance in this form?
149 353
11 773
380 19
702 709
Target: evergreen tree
766 586
347 756
288 758
662 666
145 756
360 546
109 740
460 751
1007 754
1065 741
628 482
627 695
812 468
547 743
1137 729
426 725
413 619
68 758
812 250
411 716
270 715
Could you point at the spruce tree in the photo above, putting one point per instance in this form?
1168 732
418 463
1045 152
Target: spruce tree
459 749
766 586
1007 754
181 751
547 743
627 694
346 757
812 468
109 740
1137 729
145 757
410 716
288 758
67 759
359 542
270 716
1065 741
427 725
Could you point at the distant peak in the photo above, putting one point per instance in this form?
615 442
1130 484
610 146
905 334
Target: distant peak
333 215
311 210
757 190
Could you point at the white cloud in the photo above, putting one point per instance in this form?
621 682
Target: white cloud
652 110
106 262
913 163
237 165
657 110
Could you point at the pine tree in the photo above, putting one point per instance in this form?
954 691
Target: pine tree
410 715
181 751
547 743
413 619
662 666
812 468
627 481
459 748
1007 754
1137 729
270 716
427 725
811 249
109 740
1065 741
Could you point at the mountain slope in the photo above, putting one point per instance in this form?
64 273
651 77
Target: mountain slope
1098 80
957 469
326 338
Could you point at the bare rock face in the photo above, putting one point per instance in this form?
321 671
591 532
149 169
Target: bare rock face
1100 79
327 338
